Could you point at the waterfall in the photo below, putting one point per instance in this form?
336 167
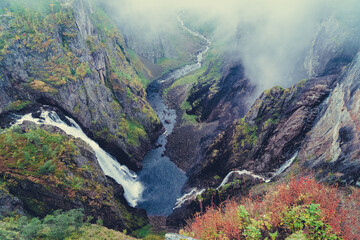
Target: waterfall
122 175
286 164
193 193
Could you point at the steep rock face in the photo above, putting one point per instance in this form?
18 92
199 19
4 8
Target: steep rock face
334 46
72 178
332 145
238 186
269 134
223 100
153 48
219 97
64 57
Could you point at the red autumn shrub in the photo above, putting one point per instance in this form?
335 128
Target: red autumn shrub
302 205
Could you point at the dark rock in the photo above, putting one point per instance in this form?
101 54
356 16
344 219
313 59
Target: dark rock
229 102
271 132
238 187
157 145
167 121
10 205
99 195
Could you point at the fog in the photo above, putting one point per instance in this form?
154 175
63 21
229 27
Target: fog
269 37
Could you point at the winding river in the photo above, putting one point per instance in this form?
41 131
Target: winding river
161 178
158 185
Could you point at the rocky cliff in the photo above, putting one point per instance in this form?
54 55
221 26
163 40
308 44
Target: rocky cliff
312 124
70 55
42 170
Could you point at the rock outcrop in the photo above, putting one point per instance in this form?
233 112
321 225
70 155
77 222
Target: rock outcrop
64 175
223 100
237 186
334 46
64 57
314 123
269 134
332 146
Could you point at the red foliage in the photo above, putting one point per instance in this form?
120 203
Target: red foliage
341 212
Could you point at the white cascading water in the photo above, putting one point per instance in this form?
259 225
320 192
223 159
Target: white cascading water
199 57
193 193
122 175
286 165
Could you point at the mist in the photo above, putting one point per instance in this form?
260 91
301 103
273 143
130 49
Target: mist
270 38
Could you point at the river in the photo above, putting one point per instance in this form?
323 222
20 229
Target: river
161 178
158 185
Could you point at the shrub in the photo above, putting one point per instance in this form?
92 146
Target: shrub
59 225
47 168
302 205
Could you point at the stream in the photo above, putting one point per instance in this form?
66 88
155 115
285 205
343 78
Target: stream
161 178
158 185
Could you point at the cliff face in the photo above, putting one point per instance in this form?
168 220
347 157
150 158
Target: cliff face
64 175
314 124
223 100
270 132
282 121
332 146
63 55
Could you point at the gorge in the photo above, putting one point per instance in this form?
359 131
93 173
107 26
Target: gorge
149 118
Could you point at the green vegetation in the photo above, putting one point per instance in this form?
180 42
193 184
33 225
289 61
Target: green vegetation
36 152
68 225
301 208
147 233
18 105
31 27
58 225
135 132
244 135
97 232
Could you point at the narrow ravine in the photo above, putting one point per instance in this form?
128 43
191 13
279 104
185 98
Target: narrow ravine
161 178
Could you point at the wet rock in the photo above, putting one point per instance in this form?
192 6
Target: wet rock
238 186
167 121
157 145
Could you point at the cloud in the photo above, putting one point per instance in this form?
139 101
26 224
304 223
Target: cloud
269 37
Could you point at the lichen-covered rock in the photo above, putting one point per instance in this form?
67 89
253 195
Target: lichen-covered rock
48 170
65 57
